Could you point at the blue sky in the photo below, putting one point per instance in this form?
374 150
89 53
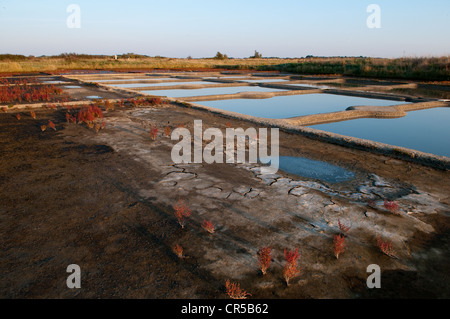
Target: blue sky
200 28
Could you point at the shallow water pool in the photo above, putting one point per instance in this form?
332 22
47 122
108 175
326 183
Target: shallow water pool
279 107
425 130
265 80
132 79
313 169
210 91
136 85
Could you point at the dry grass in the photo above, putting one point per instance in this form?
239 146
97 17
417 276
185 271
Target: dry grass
408 68
107 63
418 68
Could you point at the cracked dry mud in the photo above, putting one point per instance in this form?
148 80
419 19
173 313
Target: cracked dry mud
105 202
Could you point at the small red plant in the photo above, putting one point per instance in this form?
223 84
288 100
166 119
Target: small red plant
391 206
291 257
208 226
43 128
385 247
153 133
178 250
344 228
338 245
133 102
32 114
167 131
4 109
290 269
264 259
18 116
182 212
234 290
22 90
154 101
108 105
51 125
89 115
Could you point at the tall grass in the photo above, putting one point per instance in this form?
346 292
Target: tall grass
429 69
412 68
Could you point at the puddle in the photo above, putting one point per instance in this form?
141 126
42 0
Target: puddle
210 91
425 130
73 87
279 107
95 97
313 169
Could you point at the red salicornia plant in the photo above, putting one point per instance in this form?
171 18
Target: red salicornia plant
108 105
154 101
167 131
391 206
153 133
338 245
32 114
178 250
43 128
182 212
51 125
290 269
90 115
24 91
234 291
344 228
208 226
385 247
18 116
264 259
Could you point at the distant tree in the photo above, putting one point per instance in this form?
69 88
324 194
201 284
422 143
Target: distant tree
257 55
220 56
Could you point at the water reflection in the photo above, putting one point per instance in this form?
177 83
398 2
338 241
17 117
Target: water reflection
313 169
425 130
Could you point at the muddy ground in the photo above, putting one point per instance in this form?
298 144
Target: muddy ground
105 201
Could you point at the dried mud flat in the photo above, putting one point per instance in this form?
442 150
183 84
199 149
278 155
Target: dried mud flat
105 201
